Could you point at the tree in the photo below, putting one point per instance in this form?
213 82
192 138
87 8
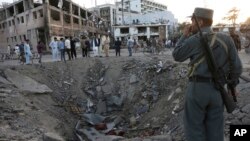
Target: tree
232 15
247 22
181 26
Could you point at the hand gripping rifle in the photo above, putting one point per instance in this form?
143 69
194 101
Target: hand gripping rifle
216 72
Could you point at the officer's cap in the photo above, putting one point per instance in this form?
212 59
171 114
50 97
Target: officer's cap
203 13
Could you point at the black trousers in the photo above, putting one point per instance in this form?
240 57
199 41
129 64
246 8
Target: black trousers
73 52
85 52
68 52
117 51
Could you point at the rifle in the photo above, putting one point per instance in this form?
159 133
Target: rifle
216 72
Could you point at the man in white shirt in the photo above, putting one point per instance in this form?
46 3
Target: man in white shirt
68 47
54 47
95 44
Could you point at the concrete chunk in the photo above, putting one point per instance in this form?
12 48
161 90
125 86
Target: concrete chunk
26 83
52 137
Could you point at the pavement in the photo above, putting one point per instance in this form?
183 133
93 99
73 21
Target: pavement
245 58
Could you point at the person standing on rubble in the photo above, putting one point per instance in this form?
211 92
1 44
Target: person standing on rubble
130 44
203 112
54 46
40 48
61 46
236 39
95 44
27 51
118 44
68 47
106 44
73 48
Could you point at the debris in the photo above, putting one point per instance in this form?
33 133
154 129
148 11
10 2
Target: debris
89 105
101 107
132 121
170 96
114 100
133 79
52 137
66 82
246 109
26 83
93 118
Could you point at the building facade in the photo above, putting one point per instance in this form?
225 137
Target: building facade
142 6
43 20
133 18
141 32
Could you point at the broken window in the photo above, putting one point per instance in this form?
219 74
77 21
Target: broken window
40 12
34 15
66 6
2 15
67 19
27 18
55 15
142 29
75 10
76 20
27 5
13 22
22 19
124 30
10 11
154 30
83 13
89 14
53 3
24 37
9 23
18 20
19 7
3 25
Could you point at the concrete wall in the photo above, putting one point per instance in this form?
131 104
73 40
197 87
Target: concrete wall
135 5
25 26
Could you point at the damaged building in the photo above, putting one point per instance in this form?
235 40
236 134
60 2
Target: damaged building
43 20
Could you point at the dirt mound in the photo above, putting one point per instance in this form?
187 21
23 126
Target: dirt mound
113 97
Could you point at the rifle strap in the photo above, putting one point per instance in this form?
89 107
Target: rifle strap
201 58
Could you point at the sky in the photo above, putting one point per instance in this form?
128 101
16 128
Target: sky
183 8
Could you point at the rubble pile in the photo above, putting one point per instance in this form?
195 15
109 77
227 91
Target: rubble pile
135 99
144 100
15 121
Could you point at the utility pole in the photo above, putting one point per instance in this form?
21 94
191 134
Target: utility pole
123 12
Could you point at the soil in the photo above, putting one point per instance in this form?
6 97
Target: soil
152 98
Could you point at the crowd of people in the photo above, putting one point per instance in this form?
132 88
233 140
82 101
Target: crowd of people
98 46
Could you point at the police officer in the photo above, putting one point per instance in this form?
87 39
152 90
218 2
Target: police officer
203 113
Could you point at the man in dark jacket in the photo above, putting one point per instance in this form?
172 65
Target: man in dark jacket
236 39
118 47
21 53
73 48
40 48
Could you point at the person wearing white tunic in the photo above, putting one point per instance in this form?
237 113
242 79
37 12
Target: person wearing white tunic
95 44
